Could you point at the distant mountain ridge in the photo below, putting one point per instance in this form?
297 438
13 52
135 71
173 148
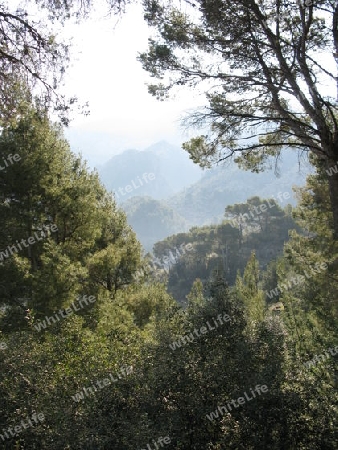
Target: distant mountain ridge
163 192
204 202
171 168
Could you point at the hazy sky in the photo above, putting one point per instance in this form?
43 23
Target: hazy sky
105 73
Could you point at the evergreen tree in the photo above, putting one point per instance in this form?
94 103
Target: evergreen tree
248 290
61 232
264 83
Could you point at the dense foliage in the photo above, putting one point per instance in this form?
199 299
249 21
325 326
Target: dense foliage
226 248
95 353
230 370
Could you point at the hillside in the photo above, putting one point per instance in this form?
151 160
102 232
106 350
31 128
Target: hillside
170 168
185 195
204 202
226 248
152 220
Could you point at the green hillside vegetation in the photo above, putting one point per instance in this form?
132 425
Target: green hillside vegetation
131 366
226 248
238 348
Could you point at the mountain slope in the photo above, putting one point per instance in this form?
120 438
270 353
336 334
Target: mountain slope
152 220
204 202
164 193
170 166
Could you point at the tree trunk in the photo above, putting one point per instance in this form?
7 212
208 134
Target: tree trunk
333 188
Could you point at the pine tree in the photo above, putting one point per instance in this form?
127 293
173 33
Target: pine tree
248 290
75 240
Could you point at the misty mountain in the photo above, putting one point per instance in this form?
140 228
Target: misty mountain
152 220
159 171
164 193
204 202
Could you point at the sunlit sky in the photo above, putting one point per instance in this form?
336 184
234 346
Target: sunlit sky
104 71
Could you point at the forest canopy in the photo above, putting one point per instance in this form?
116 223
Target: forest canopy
235 345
